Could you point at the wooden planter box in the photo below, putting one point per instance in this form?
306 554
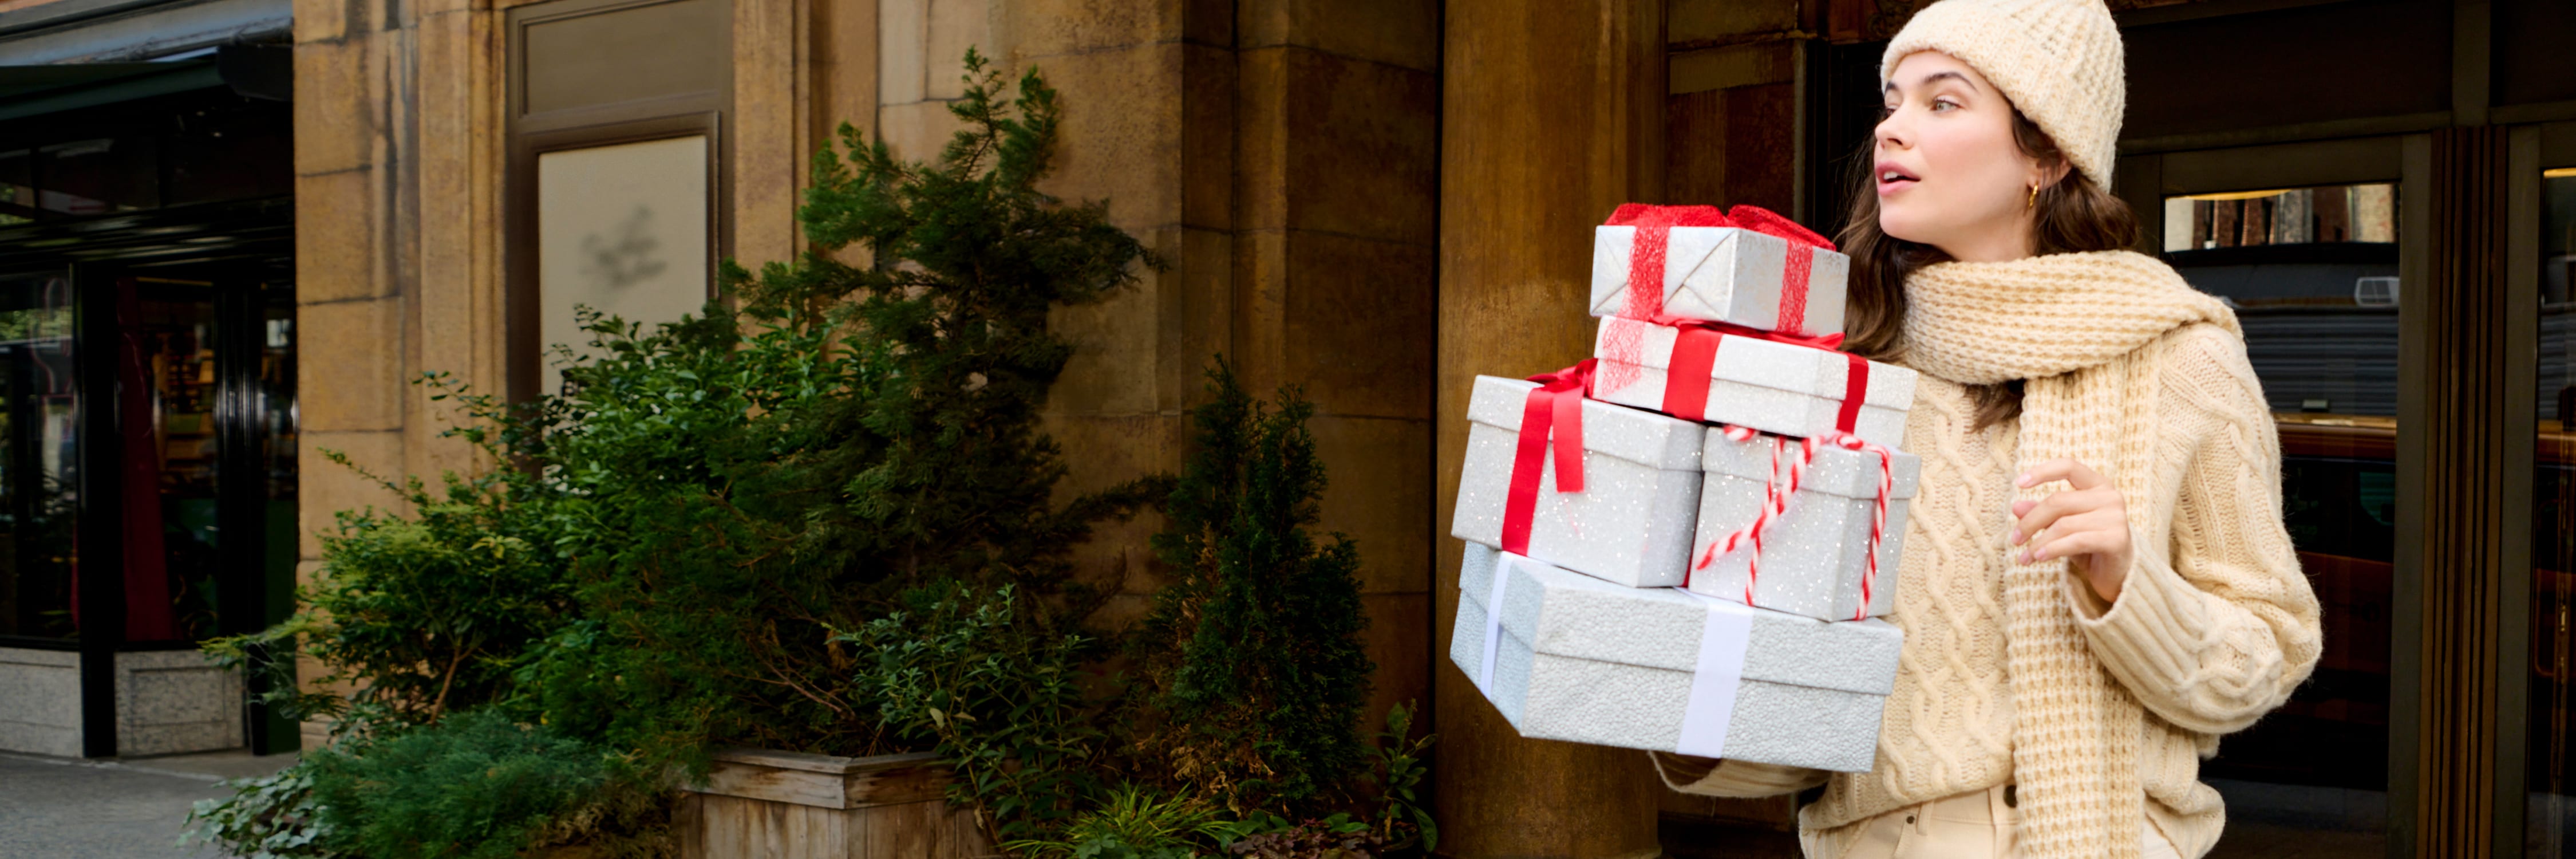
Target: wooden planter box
784 805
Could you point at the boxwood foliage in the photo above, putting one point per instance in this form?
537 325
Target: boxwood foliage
657 557
733 489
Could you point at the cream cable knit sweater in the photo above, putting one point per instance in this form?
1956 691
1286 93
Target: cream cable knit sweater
2018 673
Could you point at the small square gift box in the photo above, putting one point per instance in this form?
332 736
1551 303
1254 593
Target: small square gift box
1809 527
1731 375
1746 266
1570 657
1601 489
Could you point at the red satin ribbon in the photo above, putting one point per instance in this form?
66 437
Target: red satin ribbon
1552 415
1647 251
1686 377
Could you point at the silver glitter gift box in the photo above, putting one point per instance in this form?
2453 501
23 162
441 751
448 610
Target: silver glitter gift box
1773 387
1578 659
1632 522
1723 274
1815 552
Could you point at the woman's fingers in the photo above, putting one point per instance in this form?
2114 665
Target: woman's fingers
2089 534
2075 473
2031 520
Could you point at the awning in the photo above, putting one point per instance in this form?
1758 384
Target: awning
106 31
31 90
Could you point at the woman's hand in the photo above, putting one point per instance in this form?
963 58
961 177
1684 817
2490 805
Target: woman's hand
2088 524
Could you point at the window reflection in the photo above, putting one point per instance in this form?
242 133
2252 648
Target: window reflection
2552 815
38 458
85 163
166 376
2312 275
99 176
17 187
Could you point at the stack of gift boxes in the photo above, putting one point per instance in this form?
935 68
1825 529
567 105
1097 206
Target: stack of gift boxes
1686 543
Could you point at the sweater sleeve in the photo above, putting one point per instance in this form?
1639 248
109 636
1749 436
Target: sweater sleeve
2215 627
1728 778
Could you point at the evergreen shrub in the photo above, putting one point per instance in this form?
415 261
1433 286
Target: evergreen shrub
476 786
822 516
737 487
1253 672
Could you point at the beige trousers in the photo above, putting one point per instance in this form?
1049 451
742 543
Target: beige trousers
1972 825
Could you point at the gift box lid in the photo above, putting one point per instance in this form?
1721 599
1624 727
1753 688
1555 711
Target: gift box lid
1836 470
1564 613
1635 435
1755 361
1690 250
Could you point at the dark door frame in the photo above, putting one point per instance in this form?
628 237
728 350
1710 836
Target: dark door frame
241 486
100 546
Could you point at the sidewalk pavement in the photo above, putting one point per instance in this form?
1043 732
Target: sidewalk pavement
118 809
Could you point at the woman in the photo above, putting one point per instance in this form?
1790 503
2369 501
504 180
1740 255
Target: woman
2098 583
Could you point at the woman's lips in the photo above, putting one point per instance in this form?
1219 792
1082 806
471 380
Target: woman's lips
1893 178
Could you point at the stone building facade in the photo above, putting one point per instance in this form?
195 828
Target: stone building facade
1284 161
1375 201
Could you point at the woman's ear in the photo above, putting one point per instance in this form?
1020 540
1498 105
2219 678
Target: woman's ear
2056 173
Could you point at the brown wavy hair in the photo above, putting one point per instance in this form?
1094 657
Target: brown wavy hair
2074 215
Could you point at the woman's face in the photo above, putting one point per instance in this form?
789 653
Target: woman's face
1948 172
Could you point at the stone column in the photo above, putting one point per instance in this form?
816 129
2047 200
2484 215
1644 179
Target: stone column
1336 202
398 154
1283 158
1553 114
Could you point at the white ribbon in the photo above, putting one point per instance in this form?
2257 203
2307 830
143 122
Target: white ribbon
1722 641
1494 619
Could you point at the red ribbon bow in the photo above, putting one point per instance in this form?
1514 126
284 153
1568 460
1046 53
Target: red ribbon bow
1654 236
1552 412
1686 380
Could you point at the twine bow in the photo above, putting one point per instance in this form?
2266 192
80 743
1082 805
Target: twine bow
1780 488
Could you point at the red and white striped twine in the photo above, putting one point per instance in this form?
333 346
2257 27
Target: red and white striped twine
1777 493
1878 513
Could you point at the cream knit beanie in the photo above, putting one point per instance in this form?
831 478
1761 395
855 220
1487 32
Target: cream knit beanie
2058 60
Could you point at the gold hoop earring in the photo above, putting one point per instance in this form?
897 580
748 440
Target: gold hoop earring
2034 198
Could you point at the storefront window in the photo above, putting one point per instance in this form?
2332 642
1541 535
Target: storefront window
39 456
99 176
167 381
2312 275
2552 816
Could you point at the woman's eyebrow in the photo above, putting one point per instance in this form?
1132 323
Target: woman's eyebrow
1928 79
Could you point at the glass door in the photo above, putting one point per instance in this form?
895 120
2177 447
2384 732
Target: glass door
166 386
39 461
2550 766
2312 272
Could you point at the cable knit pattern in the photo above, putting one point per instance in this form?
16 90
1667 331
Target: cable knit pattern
2018 673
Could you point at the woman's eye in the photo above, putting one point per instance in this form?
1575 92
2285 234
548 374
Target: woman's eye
1938 104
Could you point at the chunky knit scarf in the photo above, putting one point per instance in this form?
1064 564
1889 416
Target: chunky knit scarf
2085 330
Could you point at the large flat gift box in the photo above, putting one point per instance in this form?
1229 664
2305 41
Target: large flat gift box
1814 552
1776 387
1724 274
1632 521
1570 657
